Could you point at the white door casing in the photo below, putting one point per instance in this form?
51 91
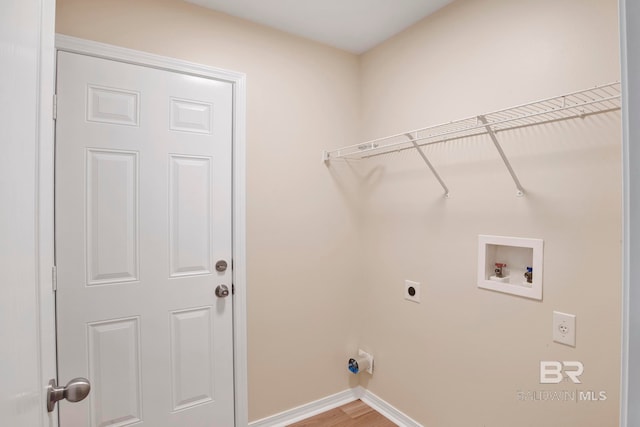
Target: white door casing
630 65
148 225
27 358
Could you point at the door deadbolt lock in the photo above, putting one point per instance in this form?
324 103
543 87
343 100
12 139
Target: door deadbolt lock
221 266
75 391
222 291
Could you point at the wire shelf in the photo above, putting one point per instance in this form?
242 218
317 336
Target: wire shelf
597 100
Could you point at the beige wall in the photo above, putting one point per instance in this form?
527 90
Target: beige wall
459 358
302 96
319 237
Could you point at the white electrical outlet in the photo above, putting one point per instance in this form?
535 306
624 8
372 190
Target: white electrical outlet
564 328
412 291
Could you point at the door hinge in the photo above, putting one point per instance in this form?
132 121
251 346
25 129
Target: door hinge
54 278
233 289
55 106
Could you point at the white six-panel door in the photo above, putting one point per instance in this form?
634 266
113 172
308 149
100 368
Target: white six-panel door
143 213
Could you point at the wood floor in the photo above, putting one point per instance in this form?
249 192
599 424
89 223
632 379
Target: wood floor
354 414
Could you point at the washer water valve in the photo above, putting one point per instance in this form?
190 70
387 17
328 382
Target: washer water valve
529 275
498 270
500 273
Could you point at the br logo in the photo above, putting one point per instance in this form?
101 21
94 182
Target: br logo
552 372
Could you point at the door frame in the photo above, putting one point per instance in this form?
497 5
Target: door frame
630 64
238 81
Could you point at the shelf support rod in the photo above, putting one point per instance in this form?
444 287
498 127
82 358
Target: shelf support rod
493 137
433 170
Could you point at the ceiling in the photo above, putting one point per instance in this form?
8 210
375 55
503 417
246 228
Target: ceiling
352 25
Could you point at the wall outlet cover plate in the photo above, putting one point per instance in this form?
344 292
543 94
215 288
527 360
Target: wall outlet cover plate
564 328
412 291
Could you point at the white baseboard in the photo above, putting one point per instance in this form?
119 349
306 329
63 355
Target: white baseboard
387 410
310 409
330 402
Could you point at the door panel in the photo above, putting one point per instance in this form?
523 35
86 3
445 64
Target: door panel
191 347
190 220
114 370
112 216
143 212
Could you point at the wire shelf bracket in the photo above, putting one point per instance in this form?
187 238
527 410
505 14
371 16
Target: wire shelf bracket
505 159
426 160
580 104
